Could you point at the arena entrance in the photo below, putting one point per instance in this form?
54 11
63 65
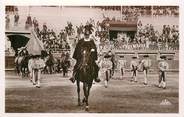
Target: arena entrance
129 28
18 39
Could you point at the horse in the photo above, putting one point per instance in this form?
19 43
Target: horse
50 62
21 63
65 64
85 74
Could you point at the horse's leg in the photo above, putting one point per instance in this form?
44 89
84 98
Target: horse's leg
17 69
51 68
86 90
63 72
27 71
78 91
87 95
21 71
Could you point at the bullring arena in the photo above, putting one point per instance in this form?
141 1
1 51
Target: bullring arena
58 95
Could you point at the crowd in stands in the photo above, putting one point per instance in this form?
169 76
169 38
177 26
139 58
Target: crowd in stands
132 12
52 41
164 10
146 37
11 9
8 20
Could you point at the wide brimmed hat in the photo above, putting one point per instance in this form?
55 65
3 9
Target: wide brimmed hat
35 56
121 56
163 57
145 56
134 57
107 56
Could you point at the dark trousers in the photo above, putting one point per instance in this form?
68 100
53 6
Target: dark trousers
161 76
134 70
122 71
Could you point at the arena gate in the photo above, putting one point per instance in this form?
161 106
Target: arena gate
115 27
18 39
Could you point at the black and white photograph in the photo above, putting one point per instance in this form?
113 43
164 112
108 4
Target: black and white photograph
92 59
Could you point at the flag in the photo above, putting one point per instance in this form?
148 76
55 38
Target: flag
34 46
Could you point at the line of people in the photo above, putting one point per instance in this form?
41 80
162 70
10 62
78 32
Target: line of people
136 65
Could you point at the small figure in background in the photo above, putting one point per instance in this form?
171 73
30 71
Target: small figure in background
134 67
163 66
146 64
122 64
16 19
7 18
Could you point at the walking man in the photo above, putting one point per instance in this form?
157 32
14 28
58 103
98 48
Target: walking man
146 64
163 66
134 67
122 66
36 65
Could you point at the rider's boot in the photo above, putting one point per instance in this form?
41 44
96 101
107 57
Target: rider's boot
96 79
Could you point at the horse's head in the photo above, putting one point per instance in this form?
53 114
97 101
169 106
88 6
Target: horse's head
86 66
23 52
85 58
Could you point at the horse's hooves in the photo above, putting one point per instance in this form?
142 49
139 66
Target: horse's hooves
87 108
79 104
84 100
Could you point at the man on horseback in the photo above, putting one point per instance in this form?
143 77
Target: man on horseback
89 44
21 61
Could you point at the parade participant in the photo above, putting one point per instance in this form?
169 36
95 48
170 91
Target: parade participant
16 19
7 19
113 60
122 64
145 63
36 64
89 44
163 66
8 45
106 68
134 67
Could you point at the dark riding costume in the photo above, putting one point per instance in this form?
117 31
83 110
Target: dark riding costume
89 46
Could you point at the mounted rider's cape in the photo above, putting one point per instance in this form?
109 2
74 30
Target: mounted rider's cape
86 45
82 44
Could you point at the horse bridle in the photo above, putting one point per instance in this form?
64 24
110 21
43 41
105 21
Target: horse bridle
85 58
